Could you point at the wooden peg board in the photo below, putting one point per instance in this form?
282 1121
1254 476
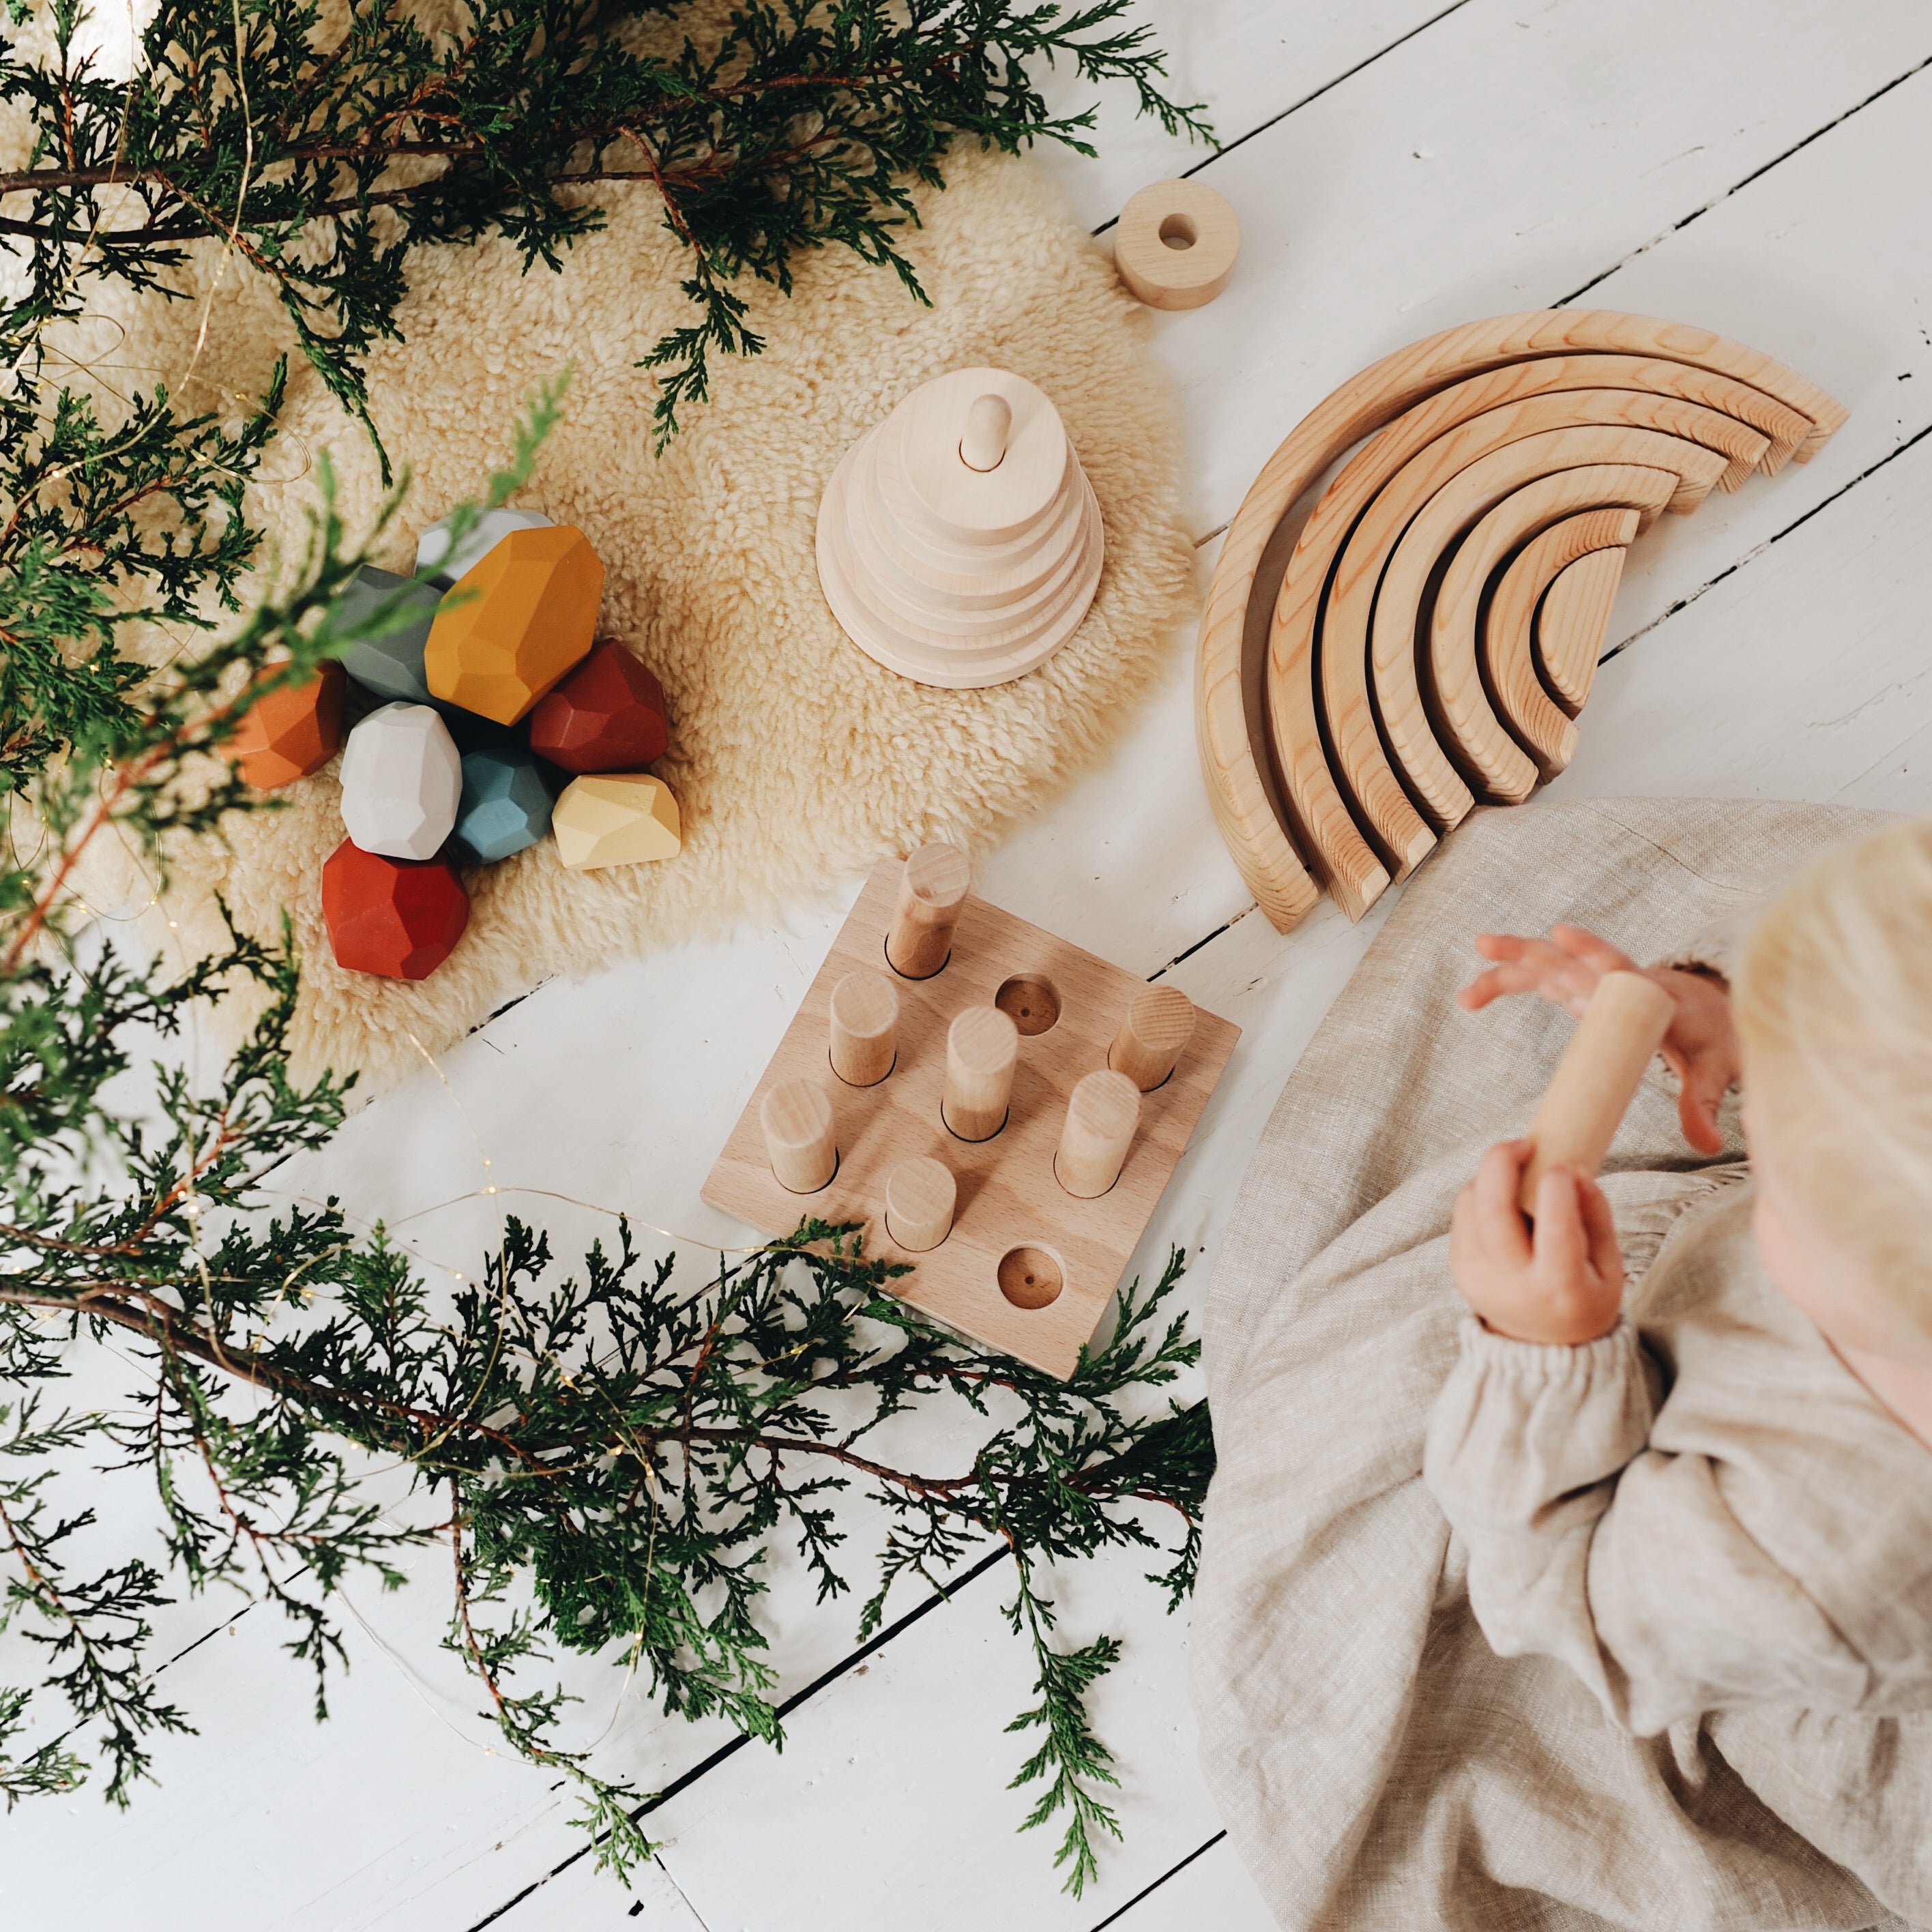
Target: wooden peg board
1008 1198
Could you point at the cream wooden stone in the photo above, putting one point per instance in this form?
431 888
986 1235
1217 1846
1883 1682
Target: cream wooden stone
932 888
1156 1027
1510 627
1481 739
1230 713
1175 244
1571 624
865 1029
981 1048
920 1197
799 1137
959 542
1101 1115
1027 1267
615 818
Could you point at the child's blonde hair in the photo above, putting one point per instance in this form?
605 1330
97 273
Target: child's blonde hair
1835 1009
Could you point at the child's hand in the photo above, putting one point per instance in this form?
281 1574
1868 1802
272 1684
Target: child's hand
1565 1283
1701 1047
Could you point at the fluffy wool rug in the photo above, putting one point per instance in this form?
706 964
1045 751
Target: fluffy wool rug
797 761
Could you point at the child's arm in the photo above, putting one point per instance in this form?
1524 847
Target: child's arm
1627 1564
1702 1046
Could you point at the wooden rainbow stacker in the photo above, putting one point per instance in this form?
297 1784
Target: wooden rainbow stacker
1002 1109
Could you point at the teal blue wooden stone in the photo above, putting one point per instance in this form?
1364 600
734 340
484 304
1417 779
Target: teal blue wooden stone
505 804
391 665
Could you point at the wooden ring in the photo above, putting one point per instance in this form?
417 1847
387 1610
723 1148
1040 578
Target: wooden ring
1175 244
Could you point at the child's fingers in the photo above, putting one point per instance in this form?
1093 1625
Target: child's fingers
1562 1247
1580 943
1600 1231
1496 1220
1705 1081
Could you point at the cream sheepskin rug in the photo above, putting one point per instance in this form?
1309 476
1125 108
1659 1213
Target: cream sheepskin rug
796 760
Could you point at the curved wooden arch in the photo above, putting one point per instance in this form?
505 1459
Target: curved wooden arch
1413 741
1329 824
1361 816
1228 706
1481 733
1570 625
1543 727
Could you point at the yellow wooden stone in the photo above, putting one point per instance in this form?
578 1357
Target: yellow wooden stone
512 624
620 818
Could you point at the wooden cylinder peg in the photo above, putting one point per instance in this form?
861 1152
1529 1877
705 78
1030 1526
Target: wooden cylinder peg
920 1197
1102 1113
988 422
1158 1026
982 1044
799 1134
930 895
1597 1077
864 1028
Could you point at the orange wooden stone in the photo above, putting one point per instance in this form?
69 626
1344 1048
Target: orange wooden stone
400 918
512 624
608 716
291 732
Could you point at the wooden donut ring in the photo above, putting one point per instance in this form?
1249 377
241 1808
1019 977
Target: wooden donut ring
1175 244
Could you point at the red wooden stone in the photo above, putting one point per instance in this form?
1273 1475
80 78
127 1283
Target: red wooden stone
399 917
293 731
608 716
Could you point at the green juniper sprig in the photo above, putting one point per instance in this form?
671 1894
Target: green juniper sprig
323 156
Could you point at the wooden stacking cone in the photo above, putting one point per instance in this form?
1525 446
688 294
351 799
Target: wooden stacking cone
959 542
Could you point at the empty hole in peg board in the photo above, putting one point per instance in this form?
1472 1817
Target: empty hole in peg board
1030 1277
1031 1001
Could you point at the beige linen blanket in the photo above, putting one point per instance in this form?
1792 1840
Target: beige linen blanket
1377 1763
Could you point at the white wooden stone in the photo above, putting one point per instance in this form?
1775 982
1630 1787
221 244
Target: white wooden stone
402 782
491 527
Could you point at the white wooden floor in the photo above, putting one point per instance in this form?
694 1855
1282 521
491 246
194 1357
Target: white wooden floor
1763 167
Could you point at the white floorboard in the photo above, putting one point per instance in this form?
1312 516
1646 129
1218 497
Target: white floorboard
1465 160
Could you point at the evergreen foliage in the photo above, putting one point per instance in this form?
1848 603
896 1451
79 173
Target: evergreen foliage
608 1452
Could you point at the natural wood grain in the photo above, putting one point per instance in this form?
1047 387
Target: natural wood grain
1369 788
1008 1197
1479 737
800 1139
864 1028
1570 623
1176 244
1159 1023
982 1047
1414 741
957 570
1509 623
1596 1079
1102 1112
932 888
920 1197
1227 737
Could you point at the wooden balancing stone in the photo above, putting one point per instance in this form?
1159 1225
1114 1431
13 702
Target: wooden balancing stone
959 542
1430 638
993 1148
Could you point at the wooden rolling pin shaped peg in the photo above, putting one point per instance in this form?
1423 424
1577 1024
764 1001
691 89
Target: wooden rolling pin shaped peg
800 1139
864 1028
920 1198
981 1046
931 894
1152 1036
1598 1078
1102 1113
